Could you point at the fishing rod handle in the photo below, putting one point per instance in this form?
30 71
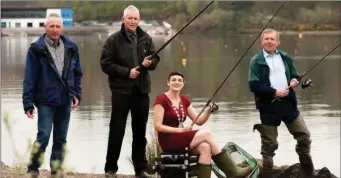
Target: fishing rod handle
276 98
143 67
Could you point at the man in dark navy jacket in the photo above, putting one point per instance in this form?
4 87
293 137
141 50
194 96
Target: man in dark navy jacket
52 84
125 59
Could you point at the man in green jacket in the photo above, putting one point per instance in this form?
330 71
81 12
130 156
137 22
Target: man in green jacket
272 74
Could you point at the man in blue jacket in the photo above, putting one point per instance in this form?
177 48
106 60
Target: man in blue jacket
52 84
271 72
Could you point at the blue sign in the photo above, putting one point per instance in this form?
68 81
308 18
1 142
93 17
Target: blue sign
67 16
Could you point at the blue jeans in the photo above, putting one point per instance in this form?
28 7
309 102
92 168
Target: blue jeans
48 116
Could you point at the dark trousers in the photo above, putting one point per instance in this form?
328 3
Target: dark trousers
138 104
57 117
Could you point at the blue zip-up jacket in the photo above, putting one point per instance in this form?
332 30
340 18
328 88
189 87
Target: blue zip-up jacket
42 82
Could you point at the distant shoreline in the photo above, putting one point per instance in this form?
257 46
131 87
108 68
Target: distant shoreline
308 32
38 31
106 29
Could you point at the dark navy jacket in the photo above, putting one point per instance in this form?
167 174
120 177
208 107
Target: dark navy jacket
42 82
117 60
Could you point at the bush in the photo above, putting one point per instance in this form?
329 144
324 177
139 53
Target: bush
320 18
217 20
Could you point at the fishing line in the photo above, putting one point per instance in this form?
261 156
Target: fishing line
305 73
208 102
165 44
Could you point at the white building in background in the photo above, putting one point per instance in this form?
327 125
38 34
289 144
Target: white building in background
33 17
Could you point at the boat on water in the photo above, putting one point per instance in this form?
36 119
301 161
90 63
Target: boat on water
241 157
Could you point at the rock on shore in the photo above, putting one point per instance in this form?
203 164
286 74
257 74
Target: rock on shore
293 171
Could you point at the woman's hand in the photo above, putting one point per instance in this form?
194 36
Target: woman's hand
187 128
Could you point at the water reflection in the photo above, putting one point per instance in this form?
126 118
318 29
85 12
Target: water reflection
209 60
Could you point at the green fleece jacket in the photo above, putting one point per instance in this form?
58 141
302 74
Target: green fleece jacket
259 82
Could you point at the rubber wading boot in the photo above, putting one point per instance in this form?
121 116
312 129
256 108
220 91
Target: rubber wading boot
224 162
267 168
269 144
307 165
203 170
299 130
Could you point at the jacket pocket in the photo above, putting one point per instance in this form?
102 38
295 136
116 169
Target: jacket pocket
48 96
143 50
264 106
120 83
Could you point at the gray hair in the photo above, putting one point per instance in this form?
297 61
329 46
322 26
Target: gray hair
269 30
53 15
130 8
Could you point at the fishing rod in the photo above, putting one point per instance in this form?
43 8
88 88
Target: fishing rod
305 73
208 102
165 44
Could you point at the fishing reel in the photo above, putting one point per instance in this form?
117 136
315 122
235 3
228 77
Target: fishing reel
306 83
214 107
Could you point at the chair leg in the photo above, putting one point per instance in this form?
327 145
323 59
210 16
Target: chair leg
182 165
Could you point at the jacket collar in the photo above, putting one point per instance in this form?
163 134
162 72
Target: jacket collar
265 54
139 32
54 43
261 56
129 33
40 42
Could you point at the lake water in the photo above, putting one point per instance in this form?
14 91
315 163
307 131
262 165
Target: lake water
208 61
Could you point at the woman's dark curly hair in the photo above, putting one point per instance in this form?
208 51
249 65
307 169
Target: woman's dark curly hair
176 73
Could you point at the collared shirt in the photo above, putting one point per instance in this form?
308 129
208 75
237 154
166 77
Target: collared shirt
57 52
277 75
51 42
130 33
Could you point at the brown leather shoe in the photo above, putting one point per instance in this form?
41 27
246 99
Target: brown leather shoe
143 174
33 174
110 174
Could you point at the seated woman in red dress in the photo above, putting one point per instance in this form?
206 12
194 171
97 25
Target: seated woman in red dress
170 111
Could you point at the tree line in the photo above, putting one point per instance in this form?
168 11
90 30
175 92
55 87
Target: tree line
221 16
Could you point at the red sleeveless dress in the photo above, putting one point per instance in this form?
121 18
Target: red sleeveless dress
174 141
